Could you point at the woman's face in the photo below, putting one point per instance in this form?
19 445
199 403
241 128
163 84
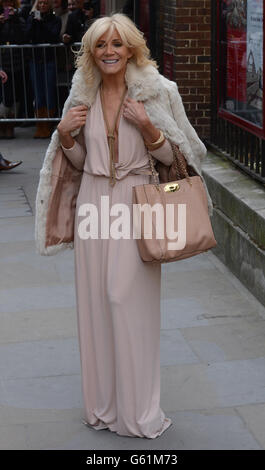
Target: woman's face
43 6
112 50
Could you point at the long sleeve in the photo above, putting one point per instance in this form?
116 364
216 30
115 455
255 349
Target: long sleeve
164 153
193 142
77 153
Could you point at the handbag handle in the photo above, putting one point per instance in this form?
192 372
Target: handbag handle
155 173
179 164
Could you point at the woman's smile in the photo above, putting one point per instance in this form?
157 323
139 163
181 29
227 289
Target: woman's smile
110 61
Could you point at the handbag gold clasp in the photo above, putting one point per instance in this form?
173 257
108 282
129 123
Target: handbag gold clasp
171 187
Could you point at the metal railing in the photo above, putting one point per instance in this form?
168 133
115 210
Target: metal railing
28 69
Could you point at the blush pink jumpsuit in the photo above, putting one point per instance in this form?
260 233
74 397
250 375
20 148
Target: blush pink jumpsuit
117 294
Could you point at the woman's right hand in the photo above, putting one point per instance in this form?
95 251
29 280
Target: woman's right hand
74 118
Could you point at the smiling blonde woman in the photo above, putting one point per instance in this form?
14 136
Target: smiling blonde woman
119 108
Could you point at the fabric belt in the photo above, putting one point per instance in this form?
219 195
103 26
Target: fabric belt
139 171
136 171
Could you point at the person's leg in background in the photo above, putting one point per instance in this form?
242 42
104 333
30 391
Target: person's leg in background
50 94
1 107
15 101
26 109
37 76
6 107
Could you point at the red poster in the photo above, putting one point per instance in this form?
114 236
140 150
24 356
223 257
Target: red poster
236 65
236 77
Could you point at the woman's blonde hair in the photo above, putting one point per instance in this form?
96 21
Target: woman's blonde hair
131 37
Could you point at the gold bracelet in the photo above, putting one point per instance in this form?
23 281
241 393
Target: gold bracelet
153 145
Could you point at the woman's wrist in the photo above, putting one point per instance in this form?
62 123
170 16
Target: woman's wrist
66 139
151 135
61 131
157 144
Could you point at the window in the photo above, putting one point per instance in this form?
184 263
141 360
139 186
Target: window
240 65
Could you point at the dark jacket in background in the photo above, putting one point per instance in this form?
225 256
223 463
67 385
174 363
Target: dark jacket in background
96 7
128 9
25 11
47 30
77 25
12 31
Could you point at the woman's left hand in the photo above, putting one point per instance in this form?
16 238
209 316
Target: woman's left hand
135 112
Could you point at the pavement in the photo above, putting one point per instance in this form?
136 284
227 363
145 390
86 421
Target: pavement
212 341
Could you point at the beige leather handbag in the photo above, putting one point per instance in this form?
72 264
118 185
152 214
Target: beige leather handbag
172 220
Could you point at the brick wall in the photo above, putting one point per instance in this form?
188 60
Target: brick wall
187 33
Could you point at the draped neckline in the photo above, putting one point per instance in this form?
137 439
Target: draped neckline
117 127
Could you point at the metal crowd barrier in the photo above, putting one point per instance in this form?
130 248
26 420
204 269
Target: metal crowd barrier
15 61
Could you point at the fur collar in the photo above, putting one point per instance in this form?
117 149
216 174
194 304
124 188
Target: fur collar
142 83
